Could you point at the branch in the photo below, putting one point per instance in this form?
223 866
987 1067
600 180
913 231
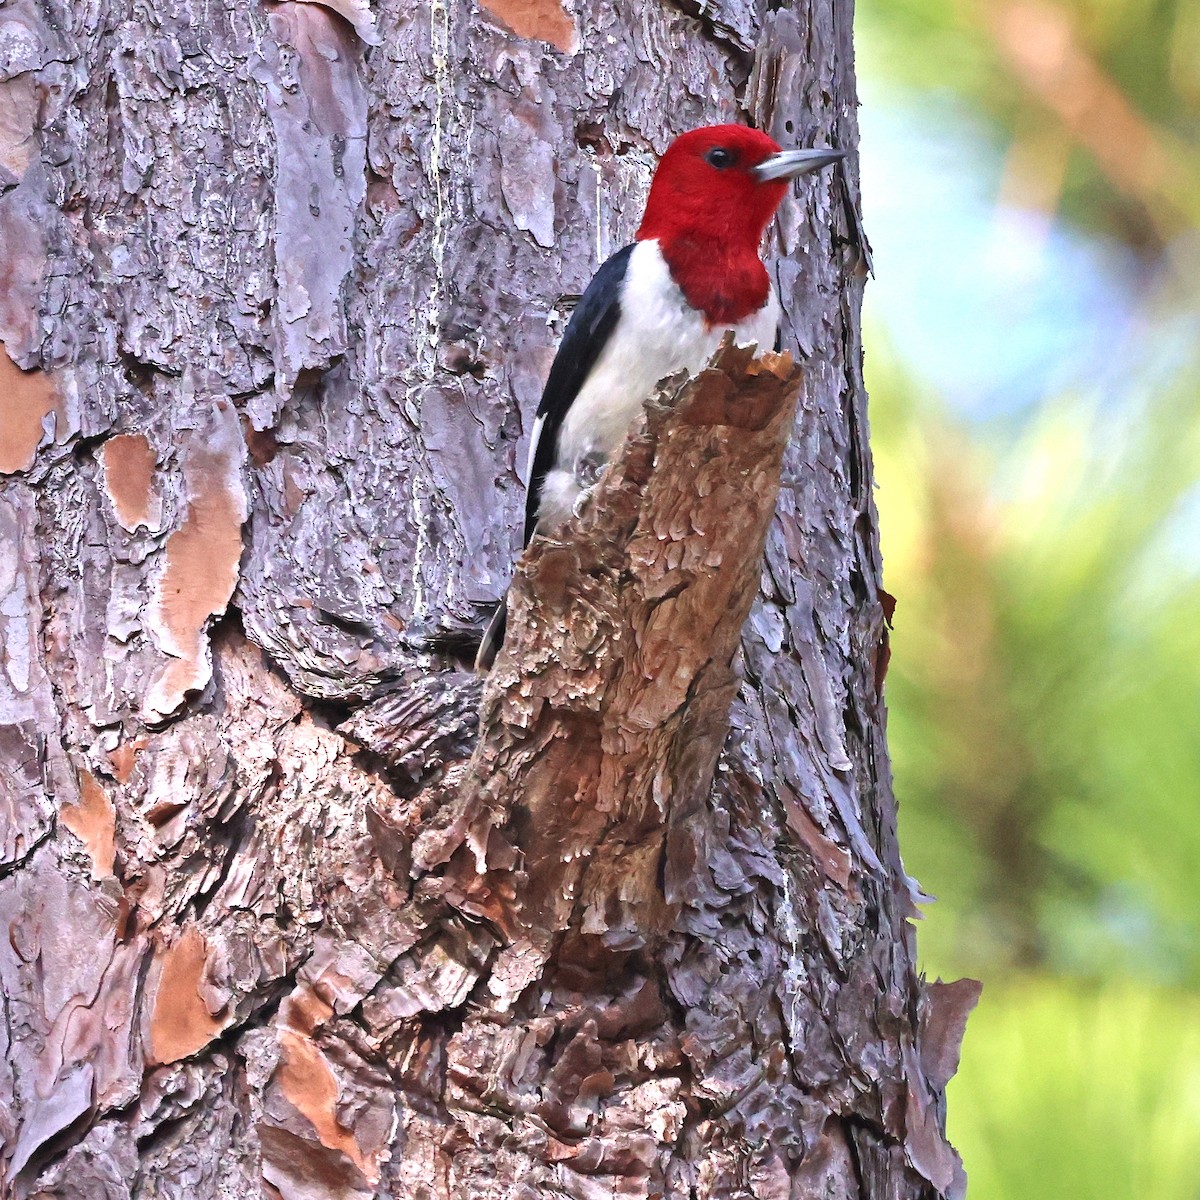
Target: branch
611 698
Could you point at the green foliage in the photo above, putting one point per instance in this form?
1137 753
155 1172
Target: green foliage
1045 681
1097 100
1044 691
1073 1094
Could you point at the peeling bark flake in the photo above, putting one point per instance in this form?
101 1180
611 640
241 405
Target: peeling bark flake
202 560
541 20
944 1010
27 398
94 822
318 111
182 1023
358 13
129 463
307 1080
527 172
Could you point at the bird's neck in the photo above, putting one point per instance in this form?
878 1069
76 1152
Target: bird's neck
725 280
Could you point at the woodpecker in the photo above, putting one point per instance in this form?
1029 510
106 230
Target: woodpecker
658 306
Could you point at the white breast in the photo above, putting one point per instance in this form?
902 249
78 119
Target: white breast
658 333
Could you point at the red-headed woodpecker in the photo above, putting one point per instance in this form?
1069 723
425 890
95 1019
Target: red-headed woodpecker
659 306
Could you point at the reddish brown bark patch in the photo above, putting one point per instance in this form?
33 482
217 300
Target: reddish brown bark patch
18 120
543 20
124 758
182 1022
94 822
310 1086
202 561
202 558
129 465
308 1082
26 398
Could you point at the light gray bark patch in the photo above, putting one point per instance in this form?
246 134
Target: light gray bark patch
322 590
169 108
63 957
102 1166
69 1098
460 460
23 44
35 775
26 811
25 216
318 111
527 170
737 25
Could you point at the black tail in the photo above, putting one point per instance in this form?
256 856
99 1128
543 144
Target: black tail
493 638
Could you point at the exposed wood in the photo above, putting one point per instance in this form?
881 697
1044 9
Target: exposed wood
287 911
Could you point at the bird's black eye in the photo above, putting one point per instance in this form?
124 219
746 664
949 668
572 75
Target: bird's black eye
719 158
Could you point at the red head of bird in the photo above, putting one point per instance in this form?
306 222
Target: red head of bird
712 196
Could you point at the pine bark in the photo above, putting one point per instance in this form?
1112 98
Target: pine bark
293 907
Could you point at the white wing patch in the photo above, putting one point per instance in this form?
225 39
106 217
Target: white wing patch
657 334
534 440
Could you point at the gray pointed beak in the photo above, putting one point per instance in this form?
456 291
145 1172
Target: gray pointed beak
787 164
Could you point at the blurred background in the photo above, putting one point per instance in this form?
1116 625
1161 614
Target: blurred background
1031 174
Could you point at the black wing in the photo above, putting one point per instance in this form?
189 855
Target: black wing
588 330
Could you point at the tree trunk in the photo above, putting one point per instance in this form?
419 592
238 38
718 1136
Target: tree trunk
289 913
